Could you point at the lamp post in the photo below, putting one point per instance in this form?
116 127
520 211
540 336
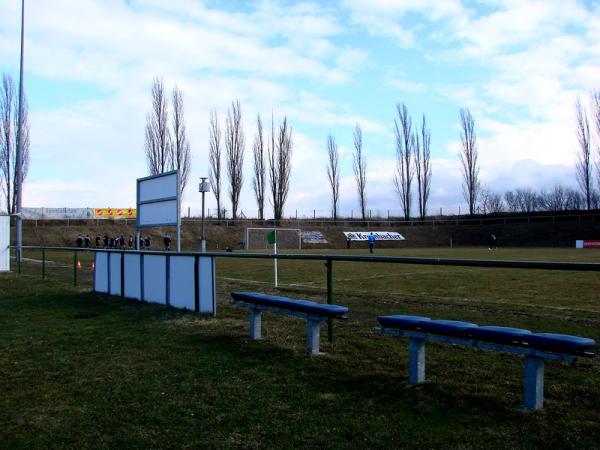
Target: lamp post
18 189
203 188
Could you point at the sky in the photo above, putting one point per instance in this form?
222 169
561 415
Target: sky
518 65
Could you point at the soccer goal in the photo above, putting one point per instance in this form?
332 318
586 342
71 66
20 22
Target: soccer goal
257 238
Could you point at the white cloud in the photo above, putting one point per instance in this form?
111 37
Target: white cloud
517 65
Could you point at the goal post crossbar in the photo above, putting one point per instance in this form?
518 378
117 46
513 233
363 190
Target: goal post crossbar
298 232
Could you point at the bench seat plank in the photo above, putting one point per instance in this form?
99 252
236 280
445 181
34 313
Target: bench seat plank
562 343
447 327
305 306
504 335
402 322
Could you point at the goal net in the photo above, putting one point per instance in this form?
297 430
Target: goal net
257 238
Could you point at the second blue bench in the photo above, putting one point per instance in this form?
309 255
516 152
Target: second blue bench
536 347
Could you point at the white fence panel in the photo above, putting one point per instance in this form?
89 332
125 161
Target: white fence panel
155 279
181 291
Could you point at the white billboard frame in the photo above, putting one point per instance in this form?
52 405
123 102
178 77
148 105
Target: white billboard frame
185 281
159 195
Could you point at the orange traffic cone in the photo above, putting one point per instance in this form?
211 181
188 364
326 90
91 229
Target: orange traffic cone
78 265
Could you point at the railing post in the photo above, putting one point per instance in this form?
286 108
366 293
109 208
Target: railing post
19 258
329 265
75 268
43 264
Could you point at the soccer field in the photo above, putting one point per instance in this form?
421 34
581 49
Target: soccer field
84 370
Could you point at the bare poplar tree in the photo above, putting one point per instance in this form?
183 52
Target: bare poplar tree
596 116
583 165
359 164
234 147
158 146
258 182
182 158
468 157
333 173
405 143
280 165
423 166
214 159
9 115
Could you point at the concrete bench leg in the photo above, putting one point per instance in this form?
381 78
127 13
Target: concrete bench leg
416 360
534 383
255 324
313 336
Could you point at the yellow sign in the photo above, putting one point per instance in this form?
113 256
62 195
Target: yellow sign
114 213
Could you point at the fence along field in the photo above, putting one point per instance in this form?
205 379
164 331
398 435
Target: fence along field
361 383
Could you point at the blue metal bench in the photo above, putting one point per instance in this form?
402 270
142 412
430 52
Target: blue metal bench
314 313
536 347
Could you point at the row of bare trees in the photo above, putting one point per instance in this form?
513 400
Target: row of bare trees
359 166
525 199
272 161
167 146
413 158
9 114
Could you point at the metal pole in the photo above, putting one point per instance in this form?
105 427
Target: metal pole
75 268
43 264
19 150
329 265
178 214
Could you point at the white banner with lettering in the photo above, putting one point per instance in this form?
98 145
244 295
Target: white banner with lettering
379 235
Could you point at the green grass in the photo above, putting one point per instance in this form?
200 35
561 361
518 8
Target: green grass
81 370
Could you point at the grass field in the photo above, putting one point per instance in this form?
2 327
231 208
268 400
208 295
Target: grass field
81 370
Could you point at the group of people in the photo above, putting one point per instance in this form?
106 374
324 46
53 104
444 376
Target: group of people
119 242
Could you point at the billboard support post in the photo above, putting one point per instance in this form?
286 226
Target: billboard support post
178 216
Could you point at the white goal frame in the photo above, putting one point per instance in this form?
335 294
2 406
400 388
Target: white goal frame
297 230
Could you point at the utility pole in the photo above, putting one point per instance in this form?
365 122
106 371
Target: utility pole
19 150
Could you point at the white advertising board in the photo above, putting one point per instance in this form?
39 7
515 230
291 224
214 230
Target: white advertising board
180 281
157 214
158 200
379 235
4 243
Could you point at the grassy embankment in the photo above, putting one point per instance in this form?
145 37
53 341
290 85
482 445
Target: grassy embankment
87 371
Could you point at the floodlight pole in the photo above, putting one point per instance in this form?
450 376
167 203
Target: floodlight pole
203 188
19 150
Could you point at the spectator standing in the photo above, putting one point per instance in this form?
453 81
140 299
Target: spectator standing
167 241
79 240
87 241
371 242
130 242
97 241
492 242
